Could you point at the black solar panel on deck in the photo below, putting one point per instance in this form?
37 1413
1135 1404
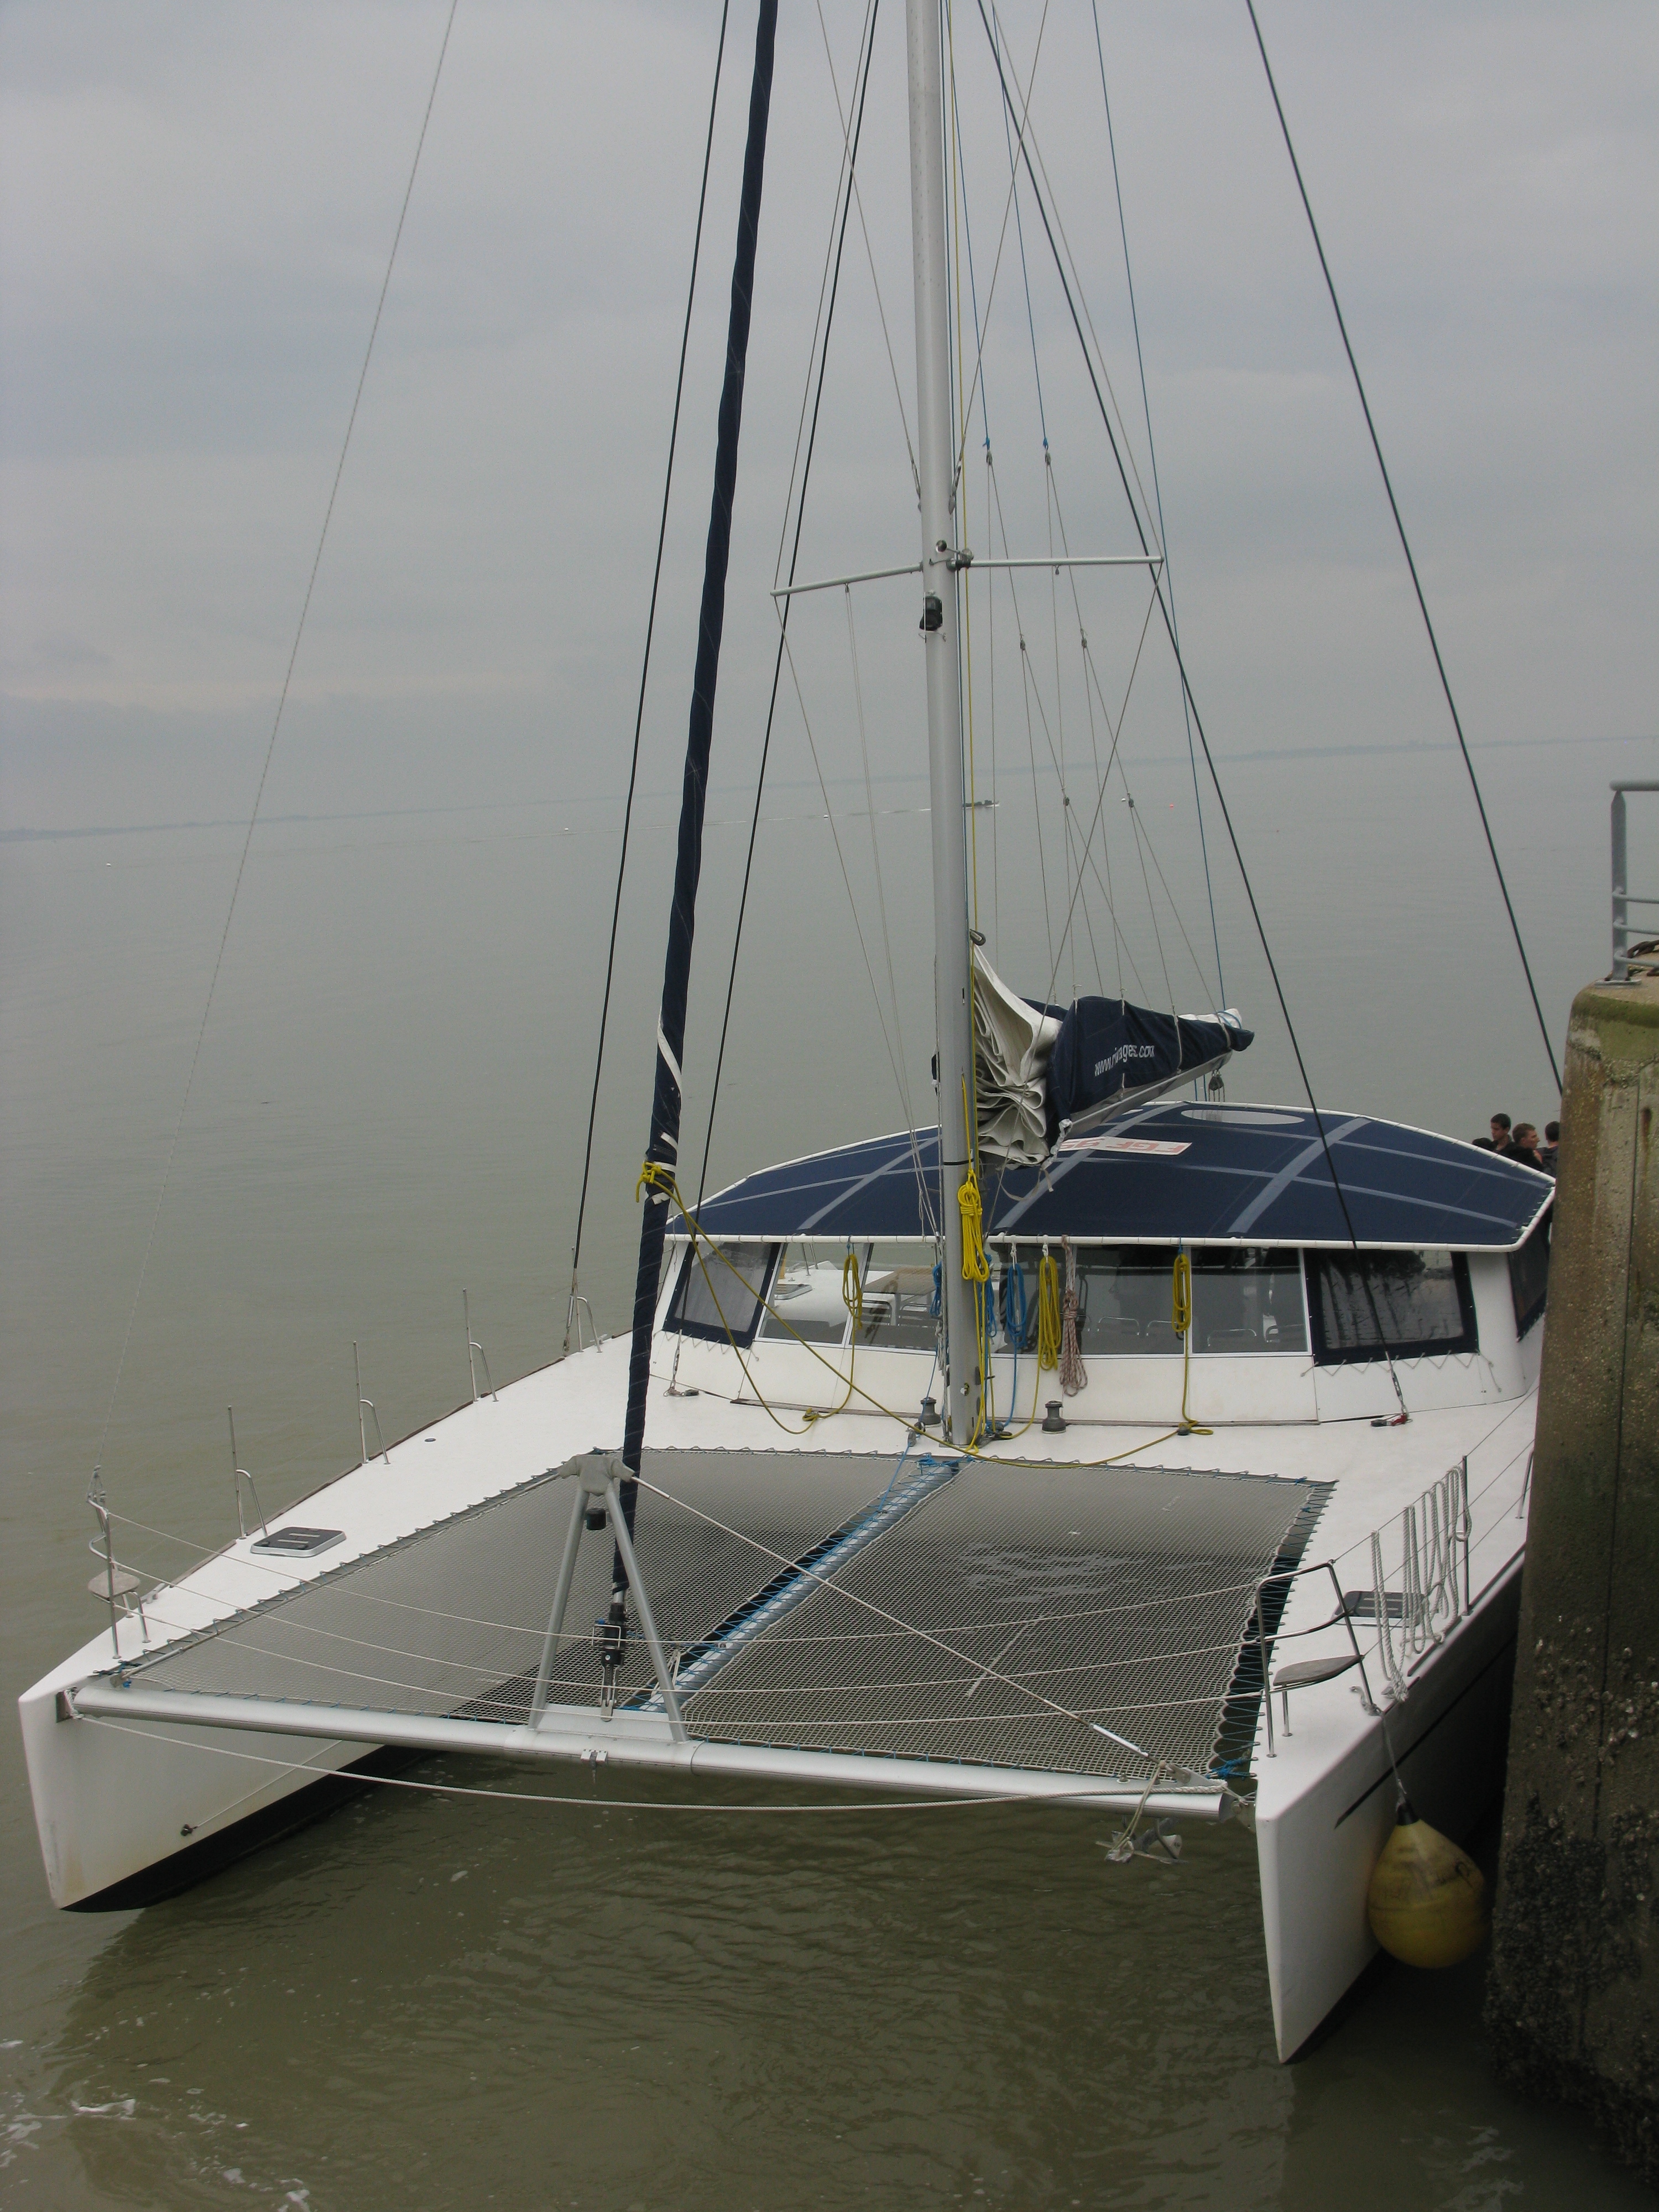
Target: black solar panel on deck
1170 1172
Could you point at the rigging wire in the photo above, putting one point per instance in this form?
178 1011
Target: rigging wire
645 671
1055 512
926 1195
1089 673
996 265
850 153
1158 489
1024 269
875 853
1031 153
1405 547
1096 821
964 408
271 748
824 276
870 258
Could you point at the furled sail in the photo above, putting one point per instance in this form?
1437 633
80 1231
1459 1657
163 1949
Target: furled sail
1042 1069
1012 1040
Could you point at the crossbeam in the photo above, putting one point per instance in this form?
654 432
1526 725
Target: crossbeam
644 1740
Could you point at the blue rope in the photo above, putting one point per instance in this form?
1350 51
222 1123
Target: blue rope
1013 1279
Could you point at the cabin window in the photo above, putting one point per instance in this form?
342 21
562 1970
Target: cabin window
1412 1304
720 1292
1247 1298
1530 1276
806 1302
899 1313
1126 1299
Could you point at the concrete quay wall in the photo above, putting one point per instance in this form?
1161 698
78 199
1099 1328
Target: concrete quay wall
1573 1999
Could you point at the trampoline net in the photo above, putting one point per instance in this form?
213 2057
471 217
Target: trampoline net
1119 1597
451 1622
1002 1620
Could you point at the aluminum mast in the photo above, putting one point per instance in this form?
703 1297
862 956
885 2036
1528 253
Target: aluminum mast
936 457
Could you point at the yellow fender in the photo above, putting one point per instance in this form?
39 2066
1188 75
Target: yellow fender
1426 1903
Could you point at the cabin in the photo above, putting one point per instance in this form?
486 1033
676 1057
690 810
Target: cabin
1422 1261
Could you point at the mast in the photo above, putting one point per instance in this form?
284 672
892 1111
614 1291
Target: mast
936 459
662 1151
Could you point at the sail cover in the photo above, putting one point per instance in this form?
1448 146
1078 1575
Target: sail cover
1039 1069
1108 1049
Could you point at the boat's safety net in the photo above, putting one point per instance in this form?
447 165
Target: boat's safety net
1062 1620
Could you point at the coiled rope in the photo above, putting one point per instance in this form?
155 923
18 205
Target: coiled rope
1180 1316
1049 1312
1072 1373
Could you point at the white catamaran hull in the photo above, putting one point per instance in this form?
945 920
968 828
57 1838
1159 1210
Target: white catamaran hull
148 1790
1321 1826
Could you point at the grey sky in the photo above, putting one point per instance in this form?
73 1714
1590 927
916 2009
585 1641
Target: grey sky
197 205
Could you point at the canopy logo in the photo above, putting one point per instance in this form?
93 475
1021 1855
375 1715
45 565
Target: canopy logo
1124 1052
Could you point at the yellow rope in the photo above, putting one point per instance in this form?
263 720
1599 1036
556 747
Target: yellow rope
655 1176
1181 1315
852 1297
975 1267
1049 1312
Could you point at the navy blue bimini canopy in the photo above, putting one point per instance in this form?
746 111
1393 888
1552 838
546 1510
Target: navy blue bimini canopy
1171 1173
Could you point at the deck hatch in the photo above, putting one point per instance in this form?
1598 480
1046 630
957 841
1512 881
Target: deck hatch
300 1543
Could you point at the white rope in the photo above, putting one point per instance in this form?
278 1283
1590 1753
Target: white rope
852 1598
844 1637
955 1628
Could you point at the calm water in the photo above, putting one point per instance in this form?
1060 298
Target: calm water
435 2001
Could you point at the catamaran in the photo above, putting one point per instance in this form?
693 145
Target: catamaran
1106 1442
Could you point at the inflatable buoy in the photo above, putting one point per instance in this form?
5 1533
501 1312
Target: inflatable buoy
1426 1903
